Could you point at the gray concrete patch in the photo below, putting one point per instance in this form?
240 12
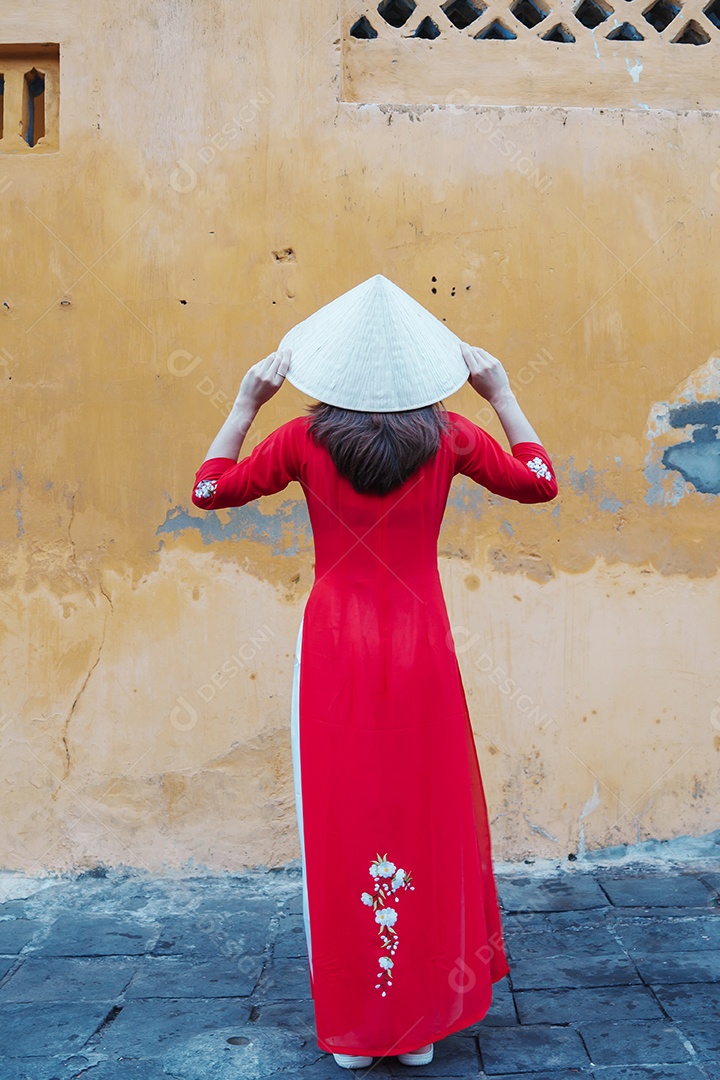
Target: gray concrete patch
645 937
641 1042
186 977
569 941
554 894
522 1049
558 971
41 1030
96 935
16 933
575 1005
691 967
62 979
665 890
152 1028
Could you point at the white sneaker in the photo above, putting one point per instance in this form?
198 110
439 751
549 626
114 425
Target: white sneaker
417 1059
352 1061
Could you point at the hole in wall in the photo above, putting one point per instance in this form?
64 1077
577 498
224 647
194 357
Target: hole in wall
363 29
712 11
396 12
559 33
529 13
496 31
427 29
660 15
461 12
626 32
33 121
591 14
692 34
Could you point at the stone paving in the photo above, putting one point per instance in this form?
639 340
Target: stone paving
115 975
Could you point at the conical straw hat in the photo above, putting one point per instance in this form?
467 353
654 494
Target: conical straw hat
375 349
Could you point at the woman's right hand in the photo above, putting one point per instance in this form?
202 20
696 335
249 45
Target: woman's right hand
487 376
263 380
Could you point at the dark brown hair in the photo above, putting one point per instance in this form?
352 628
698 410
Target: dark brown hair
377 452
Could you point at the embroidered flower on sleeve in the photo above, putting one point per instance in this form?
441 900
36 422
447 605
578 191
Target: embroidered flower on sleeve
538 466
382 900
206 489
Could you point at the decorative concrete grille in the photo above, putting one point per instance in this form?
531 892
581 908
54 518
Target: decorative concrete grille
572 52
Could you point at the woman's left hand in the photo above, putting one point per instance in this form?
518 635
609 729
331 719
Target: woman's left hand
263 380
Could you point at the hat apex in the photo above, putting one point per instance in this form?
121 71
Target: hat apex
375 349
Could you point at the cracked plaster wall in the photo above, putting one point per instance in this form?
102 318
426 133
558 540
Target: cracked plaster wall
147 647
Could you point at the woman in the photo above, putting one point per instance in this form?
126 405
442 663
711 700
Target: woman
401 914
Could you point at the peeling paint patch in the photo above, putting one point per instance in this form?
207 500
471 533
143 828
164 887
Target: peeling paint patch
592 804
286 532
588 482
468 496
684 435
635 71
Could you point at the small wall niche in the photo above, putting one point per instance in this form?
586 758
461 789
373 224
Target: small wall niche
29 98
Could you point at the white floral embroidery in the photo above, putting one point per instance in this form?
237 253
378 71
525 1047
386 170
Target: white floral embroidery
538 466
384 895
382 868
206 489
398 880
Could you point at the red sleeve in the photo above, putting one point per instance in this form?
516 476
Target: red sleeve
525 475
221 482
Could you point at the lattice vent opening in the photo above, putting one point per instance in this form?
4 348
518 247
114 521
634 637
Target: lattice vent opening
363 29
396 12
712 12
461 12
559 33
591 14
626 32
692 34
661 14
496 31
529 12
427 29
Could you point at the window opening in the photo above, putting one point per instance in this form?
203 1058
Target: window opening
33 107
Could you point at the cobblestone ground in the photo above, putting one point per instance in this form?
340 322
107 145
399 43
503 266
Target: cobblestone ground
113 976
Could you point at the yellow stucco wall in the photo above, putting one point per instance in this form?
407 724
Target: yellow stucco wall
210 189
